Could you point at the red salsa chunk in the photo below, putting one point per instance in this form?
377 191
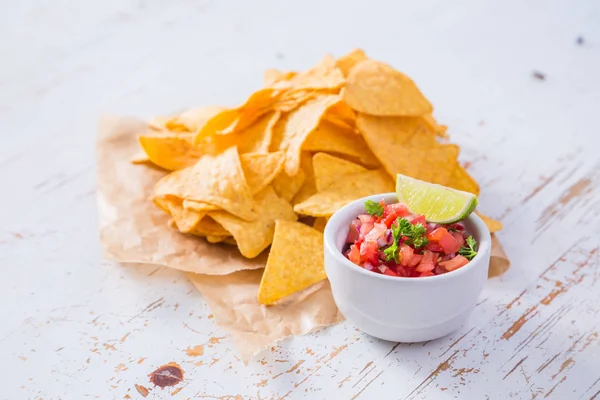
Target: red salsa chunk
390 240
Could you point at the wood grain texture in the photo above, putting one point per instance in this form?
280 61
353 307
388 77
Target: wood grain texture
75 326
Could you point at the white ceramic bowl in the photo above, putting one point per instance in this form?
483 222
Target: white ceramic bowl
403 309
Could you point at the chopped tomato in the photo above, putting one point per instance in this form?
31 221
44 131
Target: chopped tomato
406 254
393 211
434 246
367 222
455 263
449 244
416 259
368 252
427 262
416 219
437 234
459 238
354 254
389 272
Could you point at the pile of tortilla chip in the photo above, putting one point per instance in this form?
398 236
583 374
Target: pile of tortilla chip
266 176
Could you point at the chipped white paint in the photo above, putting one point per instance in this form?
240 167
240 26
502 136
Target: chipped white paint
75 327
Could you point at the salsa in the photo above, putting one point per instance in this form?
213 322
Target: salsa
390 240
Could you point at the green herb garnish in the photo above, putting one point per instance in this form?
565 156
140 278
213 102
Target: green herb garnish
374 208
415 236
469 252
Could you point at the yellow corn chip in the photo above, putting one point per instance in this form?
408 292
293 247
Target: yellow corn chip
217 239
194 119
461 180
198 206
435 165
309 186
299 125
337 195
295 262
209 227
140 158
439 130
261 169
185 220
217 124
329 169
258 104
253 237
254 139
272 76
320 223
347 62
169 150
377 89
217 180
492 224
325 75
293 99
384 134
341 114
287 186
333 139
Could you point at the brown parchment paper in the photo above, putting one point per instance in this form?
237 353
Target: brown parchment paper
499 261
132 229
254 327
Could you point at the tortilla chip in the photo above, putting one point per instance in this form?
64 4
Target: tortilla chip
295 262
254 139
461 180
170 151
492 224
198 206
377 89
324 76
384 134
329 169
309 186
258 104
320 223
299 125
325 203
185 220
272 76
194 119
342 115
330 138
431 165
287 186
253 237
347 62
261 169
217 124
439 130
209 227
217 180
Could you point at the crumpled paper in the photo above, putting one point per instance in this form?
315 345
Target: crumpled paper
133 230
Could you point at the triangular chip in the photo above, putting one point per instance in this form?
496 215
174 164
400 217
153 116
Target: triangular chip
195 118
253 237
209 227
353 187
320 223
299 125
439 130
169 150
330 138
295 262
217 180
254 139
261 169
185 220
377 89
461 180
385 134
217 124
492 224
341 115
325 75
309 187
287 186
347 62
329 169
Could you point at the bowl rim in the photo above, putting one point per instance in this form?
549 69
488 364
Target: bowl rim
485 242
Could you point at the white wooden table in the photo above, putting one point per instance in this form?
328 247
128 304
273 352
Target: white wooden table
73 326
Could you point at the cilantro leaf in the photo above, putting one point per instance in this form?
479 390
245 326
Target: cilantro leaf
415 235
469 251
374 208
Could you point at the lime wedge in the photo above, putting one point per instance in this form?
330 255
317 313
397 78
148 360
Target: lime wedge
438 203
